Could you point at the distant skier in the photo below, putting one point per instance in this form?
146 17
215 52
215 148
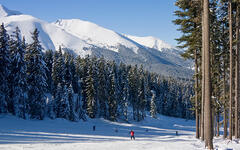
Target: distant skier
132 134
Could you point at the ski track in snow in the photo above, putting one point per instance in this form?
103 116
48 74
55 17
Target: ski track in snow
60 134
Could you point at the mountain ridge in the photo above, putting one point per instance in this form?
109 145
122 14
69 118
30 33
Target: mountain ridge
87 38
6 12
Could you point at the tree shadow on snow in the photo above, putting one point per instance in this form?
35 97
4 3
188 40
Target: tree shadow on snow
63 131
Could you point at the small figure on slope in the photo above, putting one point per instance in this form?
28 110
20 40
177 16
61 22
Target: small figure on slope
132 134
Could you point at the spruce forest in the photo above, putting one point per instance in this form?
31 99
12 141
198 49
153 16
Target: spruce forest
56 84
37 83
210 35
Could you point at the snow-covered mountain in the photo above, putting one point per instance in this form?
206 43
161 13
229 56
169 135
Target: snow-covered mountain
86 38
6 12
151 42
96 35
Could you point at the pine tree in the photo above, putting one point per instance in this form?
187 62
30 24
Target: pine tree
36 78
48 57
237 82
62 102
207 82
123 95
68 77
5 62
18 75
74 75
79 102
189 17
102 89
133 86
83 73
112 103
231 68
141 94
90 93
51 107
153 110
57 101
58 69
72 114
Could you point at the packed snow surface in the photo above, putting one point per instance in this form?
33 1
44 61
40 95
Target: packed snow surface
60 134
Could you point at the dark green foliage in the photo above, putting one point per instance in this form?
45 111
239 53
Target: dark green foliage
49 64
76 87
36 78
58 69
5 62
18 84
90 93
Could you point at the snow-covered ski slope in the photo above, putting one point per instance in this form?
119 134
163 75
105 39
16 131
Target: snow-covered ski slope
59 134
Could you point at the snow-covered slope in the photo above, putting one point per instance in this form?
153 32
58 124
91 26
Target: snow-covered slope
51 36
151 42
96 35
60 134
86 38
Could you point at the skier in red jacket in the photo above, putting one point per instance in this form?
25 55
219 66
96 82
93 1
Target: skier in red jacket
132 135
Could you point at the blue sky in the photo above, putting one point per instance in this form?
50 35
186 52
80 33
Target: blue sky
134 17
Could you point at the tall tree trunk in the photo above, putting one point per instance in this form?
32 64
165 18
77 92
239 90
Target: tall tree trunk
225 103
231 68
207 82
203 87
196 95
237 75
218 125
213 122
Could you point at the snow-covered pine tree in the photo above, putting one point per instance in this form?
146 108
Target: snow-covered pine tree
141 95
123 91
84 68
125 94
90 93
72 115
79 102
36 78
5 62
57 100
63 107
51 108
18 75
112 103
133 89
147 80
58 69
153 110
117 91
74 75
48 57
102 90
68 77
95 63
